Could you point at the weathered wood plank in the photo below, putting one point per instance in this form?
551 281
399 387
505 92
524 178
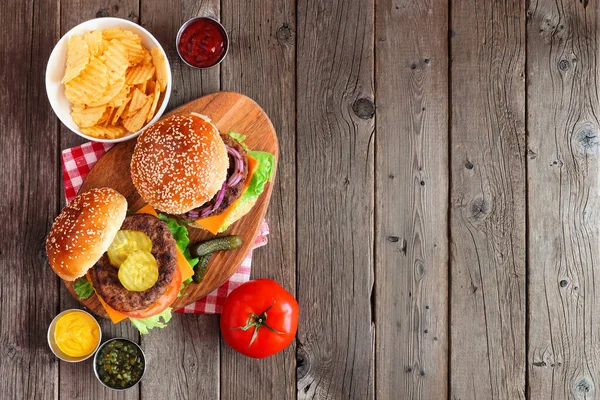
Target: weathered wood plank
78 380
261 64
564 189
28 156
488 200
335 62
185 355
163 19
412 200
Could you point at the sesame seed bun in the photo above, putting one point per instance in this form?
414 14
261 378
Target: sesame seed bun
84 230
179 163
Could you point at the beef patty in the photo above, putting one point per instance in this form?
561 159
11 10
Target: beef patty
231 194
105 277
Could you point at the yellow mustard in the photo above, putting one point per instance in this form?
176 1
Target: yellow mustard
76 334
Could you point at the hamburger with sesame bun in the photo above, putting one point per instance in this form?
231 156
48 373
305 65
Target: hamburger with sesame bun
184 166
131 262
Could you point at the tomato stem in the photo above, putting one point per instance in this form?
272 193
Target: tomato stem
257 321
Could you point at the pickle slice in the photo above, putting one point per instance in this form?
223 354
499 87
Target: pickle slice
139 271
125 243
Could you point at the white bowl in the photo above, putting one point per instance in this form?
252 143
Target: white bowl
56 69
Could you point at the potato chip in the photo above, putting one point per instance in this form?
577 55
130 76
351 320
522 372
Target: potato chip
142 86
78 57
136 122
106 116
88 117
89 85
137 101
139 74
113 82
161 68
150 86
135 51
101 132
147 57
120 111
116 59
154 103
111 91
121 97
94 42
120 34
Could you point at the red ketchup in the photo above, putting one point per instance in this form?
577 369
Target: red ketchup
202 43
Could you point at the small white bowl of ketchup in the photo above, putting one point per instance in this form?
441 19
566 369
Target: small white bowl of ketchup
74 335
202 42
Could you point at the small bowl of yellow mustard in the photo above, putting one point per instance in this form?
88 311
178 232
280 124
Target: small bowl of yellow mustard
74 335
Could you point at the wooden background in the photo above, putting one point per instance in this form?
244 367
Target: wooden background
436 210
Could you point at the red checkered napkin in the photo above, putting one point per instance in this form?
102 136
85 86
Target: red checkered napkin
77 163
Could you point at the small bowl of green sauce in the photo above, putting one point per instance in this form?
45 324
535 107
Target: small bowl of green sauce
119 364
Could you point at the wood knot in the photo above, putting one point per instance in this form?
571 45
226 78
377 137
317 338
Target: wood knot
584 386
419 269
284 33
564 65
588 137
532 154
469 165
479 208
364 108
563 283
103 12
301 362
393 239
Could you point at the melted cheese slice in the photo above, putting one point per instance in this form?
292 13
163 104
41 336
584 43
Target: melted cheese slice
182 264
213 224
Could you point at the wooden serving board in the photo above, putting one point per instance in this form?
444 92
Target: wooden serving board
229 111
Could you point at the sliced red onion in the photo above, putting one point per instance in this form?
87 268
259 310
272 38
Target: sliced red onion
236 177
218 201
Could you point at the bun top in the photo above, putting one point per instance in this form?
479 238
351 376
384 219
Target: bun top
179 163
84 230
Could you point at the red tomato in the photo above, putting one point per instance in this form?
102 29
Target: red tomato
163 301
259 318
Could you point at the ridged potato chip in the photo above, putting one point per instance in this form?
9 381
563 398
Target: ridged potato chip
94 42
111 92
139 271
136 122
120 34
86 117
137 101
120 111
161 68
139 74
106 117
89 85
121 97
116 59
135 51
102 132
154 103
78 57
142 86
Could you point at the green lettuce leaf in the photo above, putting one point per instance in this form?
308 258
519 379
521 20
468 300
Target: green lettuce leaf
240 138
144 324
83 288
263 173
180 233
